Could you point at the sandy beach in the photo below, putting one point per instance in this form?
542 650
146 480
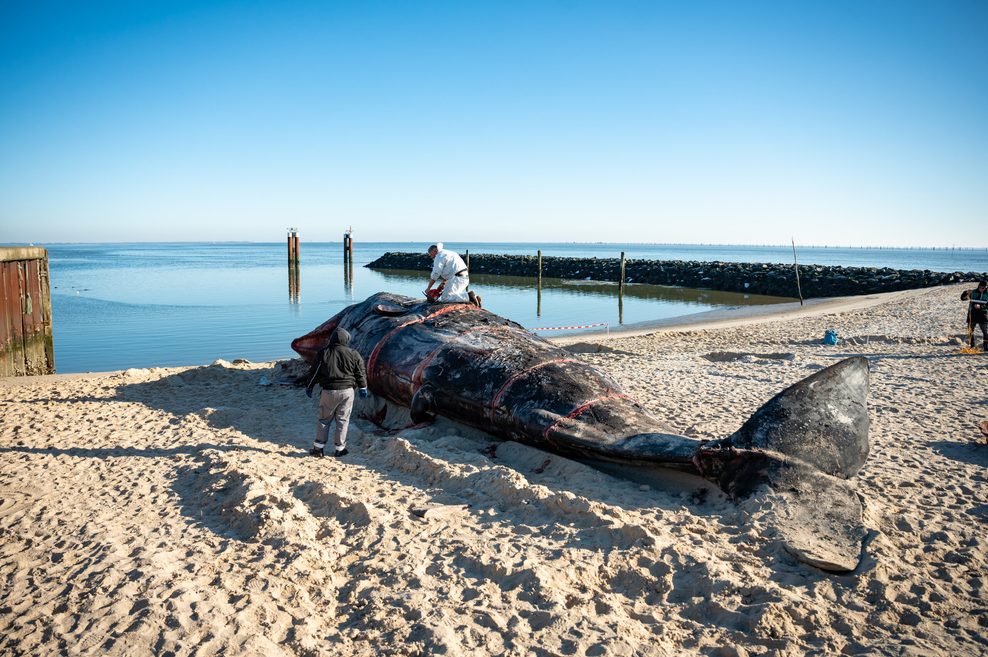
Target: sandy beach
177 512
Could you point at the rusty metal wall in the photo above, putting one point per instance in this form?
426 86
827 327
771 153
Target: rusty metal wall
26 345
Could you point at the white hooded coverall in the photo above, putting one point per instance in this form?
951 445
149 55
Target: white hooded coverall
445 266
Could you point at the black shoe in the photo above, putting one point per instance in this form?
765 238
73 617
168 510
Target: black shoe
340 452
317 452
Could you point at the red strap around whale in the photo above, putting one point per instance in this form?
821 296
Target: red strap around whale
416 381
372 361
504 388
583 408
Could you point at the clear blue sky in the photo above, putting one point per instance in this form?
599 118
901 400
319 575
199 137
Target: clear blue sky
857 122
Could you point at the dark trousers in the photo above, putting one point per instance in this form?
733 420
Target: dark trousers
981 321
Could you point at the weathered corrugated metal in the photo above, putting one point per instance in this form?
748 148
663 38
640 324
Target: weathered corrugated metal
26 345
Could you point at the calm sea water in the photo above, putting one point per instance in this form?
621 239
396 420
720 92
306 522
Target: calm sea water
117 306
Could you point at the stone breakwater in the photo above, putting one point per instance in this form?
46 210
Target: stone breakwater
753 278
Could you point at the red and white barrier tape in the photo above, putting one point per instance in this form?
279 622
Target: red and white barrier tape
565 328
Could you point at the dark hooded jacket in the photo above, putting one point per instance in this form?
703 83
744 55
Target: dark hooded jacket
337 366
976 312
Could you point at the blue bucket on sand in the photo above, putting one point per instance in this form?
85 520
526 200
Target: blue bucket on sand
830 337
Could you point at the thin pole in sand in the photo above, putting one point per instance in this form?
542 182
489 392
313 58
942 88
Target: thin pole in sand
796 264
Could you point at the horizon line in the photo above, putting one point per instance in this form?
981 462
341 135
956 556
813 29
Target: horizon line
514 242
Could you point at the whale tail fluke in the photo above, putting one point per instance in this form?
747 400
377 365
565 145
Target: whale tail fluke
789 461
818 517
821 420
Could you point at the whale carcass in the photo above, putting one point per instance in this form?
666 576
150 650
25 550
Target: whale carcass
477 368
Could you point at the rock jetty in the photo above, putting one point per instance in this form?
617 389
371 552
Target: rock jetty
753 278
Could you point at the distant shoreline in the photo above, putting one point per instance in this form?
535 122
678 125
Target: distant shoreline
42 244
769 279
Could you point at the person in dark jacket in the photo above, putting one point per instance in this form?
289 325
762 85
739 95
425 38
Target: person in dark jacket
337 369
977 312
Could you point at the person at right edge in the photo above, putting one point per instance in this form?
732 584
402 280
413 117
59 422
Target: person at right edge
977 312
337 369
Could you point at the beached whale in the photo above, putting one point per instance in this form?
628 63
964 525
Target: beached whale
474 367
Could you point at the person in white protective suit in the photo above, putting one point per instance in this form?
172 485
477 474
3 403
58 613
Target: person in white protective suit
449 269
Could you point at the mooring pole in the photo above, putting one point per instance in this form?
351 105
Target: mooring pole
796 265
621 291
293 264
349 269
466 259
538 305
346 247
621 276
293 246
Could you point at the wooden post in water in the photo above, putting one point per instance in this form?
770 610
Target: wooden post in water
621 276
293 247
621 291
295 281
466 259
347 247
796 264
293 264
538 304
